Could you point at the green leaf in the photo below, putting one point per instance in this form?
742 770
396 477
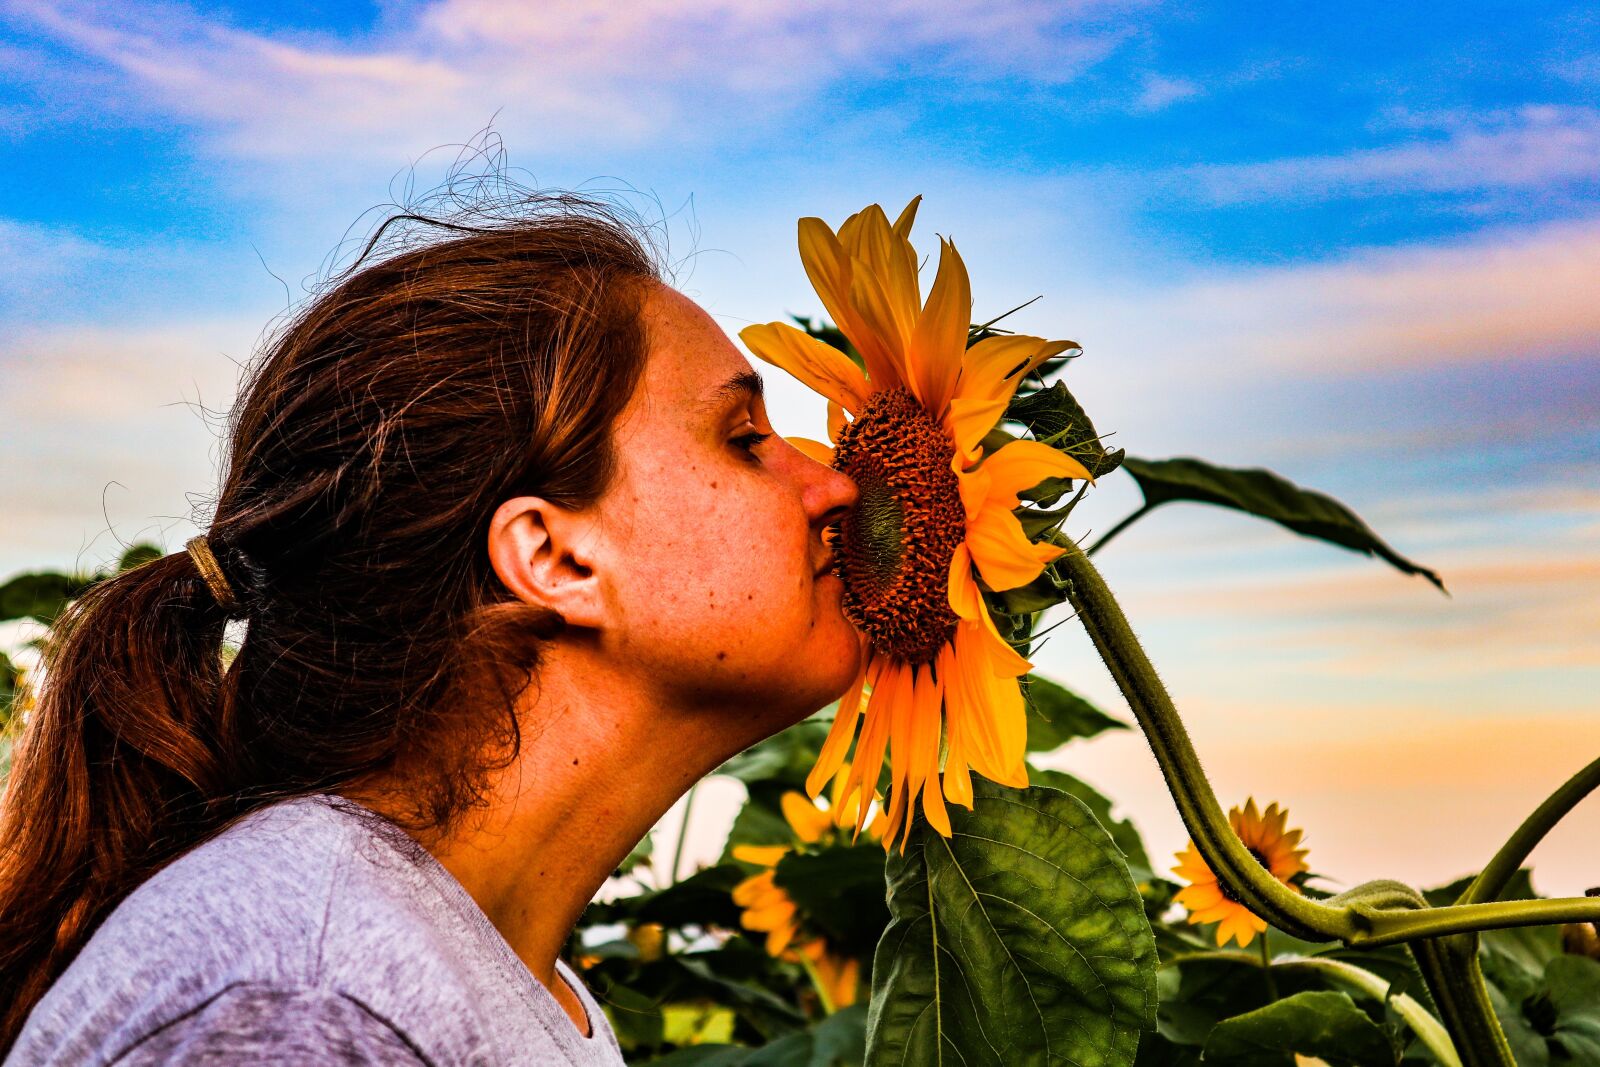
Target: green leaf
41 596
1045 591
1574 989
703 899
1323 1024
1122 831
1053 416
138 554
8 687
1058 715
1019 940
1265 495
839 891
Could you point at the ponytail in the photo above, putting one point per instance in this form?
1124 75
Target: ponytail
368 450
116 771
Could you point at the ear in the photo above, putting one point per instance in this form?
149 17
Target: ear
542 553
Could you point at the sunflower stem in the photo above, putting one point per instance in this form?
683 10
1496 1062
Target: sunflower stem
683 833
1499 871
1449 967
1374 913
1118 528
1266 971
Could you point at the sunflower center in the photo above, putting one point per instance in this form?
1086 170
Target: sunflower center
1223 886
894 547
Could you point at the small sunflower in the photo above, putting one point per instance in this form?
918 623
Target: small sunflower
1210 901
935 514
768 909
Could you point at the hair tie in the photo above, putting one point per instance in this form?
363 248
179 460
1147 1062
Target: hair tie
206 563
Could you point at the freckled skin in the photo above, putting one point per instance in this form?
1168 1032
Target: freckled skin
702 532
696 626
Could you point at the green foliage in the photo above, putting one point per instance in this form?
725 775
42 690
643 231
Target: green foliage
1055 417
1121 831
1267 496
1020 939
837 1041
1057 715
43 595
1323 1024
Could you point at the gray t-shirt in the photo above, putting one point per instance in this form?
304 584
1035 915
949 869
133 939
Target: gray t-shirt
309 932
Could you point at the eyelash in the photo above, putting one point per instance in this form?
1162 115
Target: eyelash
749 441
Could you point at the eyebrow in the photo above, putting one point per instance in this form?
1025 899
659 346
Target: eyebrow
745 385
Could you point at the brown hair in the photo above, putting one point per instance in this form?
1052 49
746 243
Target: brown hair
459 362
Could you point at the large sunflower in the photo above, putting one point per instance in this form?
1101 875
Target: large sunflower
1210 901
935 515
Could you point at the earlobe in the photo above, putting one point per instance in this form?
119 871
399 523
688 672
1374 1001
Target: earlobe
540 551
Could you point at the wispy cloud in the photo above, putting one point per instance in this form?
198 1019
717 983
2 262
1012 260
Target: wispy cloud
1524 148
1160 92
580 72
1506 294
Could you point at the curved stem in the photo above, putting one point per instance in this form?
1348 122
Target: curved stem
1119 527
1266 971
1499 870
683 832
1449 965
1374 913
1427 1028
1197 804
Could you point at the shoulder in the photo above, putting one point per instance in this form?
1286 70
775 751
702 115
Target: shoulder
263 1024
301 895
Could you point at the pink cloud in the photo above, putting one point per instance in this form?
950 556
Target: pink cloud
1528 147
579 71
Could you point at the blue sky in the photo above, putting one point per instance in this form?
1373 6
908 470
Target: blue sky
1359 245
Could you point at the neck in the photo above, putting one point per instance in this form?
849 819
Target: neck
599 766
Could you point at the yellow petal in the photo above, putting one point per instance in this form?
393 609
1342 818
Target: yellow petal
957 779
761 855
1022 465
808 821
751 889
928 705
812 449
873 309
836 421
831 270
965 599
820 366
888 257
969 421
908 217
995 366
1002 552
840 735
940 339
868 763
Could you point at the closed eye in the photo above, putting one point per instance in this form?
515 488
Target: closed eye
749 441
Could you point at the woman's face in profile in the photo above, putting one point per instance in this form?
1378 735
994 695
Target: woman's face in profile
720 580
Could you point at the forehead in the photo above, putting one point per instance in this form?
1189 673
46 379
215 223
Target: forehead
690 356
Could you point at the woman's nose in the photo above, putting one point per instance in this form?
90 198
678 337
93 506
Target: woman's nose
835 493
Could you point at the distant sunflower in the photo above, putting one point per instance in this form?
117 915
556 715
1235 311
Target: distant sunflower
1210 901
935 514
768 909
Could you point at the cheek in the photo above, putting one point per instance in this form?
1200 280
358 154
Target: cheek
729 564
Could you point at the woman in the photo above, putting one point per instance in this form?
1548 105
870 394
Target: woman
518 560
